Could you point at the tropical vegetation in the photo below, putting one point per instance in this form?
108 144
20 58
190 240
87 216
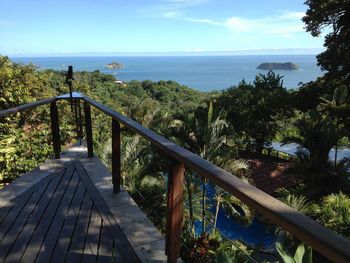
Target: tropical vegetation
227 128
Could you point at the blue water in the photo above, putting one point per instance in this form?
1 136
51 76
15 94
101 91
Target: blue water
204 73
258 234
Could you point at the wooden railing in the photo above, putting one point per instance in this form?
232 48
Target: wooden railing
302 227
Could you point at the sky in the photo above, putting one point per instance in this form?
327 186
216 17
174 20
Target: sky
106 27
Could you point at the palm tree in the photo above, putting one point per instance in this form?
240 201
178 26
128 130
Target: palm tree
318 135
131 162
204 133
143 111
339 109
239 210
235 207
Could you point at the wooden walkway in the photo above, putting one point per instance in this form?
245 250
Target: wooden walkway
62 218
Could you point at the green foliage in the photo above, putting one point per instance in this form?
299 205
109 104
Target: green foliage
210 248
230 252
202 131
200 249
333 211
253 109
302 254
24 138
237 209
318 134
7 154
308 96
215 126
298 202
333 15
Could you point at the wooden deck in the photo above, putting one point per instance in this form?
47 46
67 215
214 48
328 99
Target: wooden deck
62 218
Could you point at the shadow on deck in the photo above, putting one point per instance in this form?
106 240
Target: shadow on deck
64 211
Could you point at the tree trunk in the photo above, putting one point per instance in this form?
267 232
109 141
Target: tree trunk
216 214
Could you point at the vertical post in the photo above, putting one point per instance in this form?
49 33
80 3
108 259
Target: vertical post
55 130
69 81
76 119
88 129
73 102
116 178
174 211
80 123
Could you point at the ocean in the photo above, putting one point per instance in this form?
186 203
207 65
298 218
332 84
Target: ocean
203 73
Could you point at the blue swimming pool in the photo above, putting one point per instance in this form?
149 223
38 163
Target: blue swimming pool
258 234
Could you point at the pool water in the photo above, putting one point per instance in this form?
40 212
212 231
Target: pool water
258 234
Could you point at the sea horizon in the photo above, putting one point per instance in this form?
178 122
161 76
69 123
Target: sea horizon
203 73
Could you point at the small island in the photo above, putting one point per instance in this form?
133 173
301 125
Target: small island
277 66
115 65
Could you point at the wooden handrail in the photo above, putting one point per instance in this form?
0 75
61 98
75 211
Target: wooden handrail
25 107
325 241
302 227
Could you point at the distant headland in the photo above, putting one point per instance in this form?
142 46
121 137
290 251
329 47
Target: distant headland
281 66
115 65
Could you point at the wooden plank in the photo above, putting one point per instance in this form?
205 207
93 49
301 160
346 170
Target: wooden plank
121 242
93 235
21 199
174 211
49 242
42 227
64 240
79 236
105 246
18 204
6 209
19 245
19 222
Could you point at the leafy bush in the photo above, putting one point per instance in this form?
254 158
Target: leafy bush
210 248
334 212
302 254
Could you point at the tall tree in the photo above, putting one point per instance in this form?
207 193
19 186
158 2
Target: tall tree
332 16
204 133
318 134
252 109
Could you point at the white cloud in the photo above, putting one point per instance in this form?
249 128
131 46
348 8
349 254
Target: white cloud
291 15
284 23
201 20
196 50
287 23
238 24
172 8
172 14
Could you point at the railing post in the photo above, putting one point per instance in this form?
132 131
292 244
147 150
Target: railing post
76 119
116 178
174 211
55 130
88 129
80 123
